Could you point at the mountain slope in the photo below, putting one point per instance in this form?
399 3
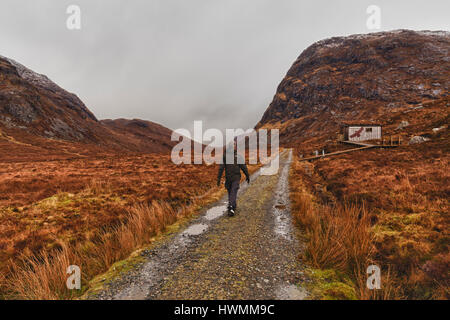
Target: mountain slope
141 135
401 80
39 117
34 103
360 77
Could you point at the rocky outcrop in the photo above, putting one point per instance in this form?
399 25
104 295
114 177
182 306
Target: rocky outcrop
402 125
418 139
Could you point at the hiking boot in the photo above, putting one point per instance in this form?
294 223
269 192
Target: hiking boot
231 212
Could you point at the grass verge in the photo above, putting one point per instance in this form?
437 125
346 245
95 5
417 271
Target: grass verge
43 275
339 245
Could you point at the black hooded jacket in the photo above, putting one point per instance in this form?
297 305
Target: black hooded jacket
232 170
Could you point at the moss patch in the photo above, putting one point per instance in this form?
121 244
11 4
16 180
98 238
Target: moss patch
121 267
330 284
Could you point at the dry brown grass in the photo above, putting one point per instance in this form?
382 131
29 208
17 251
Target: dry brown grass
44 204
338 237
124 203
404 193
91 212
43 276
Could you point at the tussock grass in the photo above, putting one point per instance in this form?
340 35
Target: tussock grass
406 193
337 237
42 276
90 213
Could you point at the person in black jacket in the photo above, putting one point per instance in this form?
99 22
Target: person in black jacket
232 175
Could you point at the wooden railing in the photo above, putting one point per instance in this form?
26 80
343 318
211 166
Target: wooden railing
361 146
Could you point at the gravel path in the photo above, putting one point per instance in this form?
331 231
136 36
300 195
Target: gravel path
253 255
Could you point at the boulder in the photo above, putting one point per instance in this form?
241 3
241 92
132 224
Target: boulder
403 124
436 130
418 139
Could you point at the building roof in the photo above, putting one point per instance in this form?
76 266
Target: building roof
361 123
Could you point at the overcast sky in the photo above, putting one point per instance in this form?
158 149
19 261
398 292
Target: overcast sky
176 61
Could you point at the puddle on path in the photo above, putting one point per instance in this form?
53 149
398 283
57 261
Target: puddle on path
195 229
291 292
215 212
133 293
281 207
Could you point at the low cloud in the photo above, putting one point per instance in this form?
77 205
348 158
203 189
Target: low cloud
177 61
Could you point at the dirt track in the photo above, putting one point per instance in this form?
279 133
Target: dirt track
253 255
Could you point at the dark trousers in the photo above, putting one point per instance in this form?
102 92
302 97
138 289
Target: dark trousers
232 188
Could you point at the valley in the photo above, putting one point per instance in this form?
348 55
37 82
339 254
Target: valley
105 194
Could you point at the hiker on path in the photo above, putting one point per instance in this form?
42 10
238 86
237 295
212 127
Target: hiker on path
232 167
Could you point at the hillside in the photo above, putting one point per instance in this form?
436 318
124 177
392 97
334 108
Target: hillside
387 77
141 135
32 102
387 207
39 118
68 179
